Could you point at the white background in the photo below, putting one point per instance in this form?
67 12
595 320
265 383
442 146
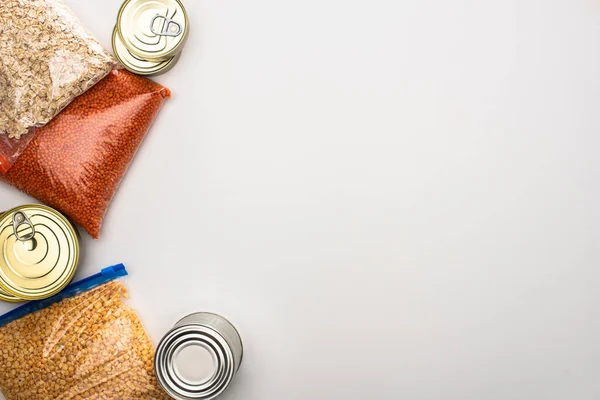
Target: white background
390 199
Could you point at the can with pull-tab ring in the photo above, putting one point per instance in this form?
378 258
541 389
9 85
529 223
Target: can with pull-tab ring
39 253
150 34
199 357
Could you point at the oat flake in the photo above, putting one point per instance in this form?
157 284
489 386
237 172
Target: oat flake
47 58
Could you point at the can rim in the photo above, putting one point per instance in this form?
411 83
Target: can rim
222 317
166 64
149 57
10 298
164 368
74 264
5 296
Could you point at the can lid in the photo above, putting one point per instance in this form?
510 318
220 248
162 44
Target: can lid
39 252
136 64
154 30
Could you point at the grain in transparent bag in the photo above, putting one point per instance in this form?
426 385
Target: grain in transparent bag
85 343
47 59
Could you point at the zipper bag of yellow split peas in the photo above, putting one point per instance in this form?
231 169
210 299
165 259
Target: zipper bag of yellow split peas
84 343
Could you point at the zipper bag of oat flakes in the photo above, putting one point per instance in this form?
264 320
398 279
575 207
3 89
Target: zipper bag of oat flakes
47 59
83 343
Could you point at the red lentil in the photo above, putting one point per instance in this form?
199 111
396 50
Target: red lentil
76 162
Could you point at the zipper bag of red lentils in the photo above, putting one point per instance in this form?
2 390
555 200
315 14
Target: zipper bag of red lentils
83 343
76 162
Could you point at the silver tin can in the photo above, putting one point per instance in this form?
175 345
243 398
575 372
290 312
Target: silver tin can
199 357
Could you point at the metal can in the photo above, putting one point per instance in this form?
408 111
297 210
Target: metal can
153 30
39 253
216 352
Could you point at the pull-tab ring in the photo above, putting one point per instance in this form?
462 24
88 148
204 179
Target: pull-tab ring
19 218
166 28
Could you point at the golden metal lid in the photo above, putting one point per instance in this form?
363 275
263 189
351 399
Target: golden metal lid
137 65
153 30
39 252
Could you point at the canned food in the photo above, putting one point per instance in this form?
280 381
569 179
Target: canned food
39 253
137 65
153 30
199 357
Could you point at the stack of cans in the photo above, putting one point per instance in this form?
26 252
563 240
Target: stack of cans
39 253
149 35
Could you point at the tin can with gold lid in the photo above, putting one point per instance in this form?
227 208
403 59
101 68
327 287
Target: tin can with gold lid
39 253
153 30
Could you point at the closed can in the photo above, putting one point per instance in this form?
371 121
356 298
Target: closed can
39 253
153 30
199 357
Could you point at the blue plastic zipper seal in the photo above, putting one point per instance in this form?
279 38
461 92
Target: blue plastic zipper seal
91 282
